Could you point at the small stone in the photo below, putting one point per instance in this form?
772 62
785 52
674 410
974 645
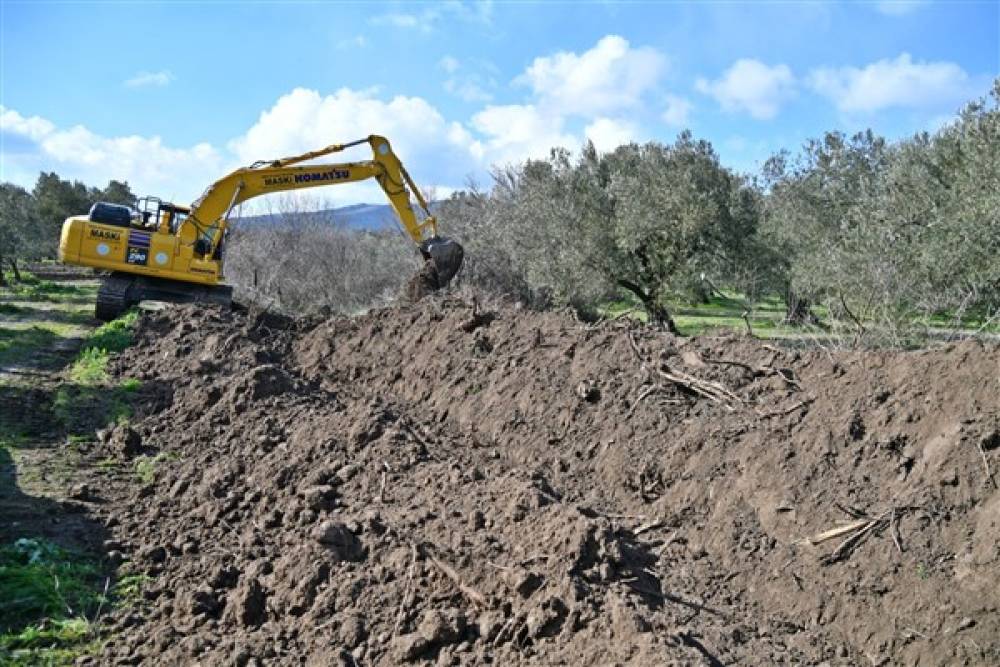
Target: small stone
249 604
546 619
352 631
965 624
525 582
203 601
224 576
340 540
490 623
154 554
442 626
126 441
128 621
407 648
588 391
322 497
81 492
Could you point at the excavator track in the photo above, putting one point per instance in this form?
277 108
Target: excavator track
112 296
121 291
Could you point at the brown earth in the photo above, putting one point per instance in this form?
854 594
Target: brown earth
427 483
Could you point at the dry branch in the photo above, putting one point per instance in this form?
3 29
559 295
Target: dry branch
474 596
986 465
834 532
793 408
711 390
406 591
855 531
758 370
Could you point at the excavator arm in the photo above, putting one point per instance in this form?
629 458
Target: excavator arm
205 226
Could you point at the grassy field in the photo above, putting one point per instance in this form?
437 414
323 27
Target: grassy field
766 320
55 391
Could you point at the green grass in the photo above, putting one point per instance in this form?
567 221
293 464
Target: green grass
12 309
725 313
114 336
81 409
48 290
146 466
91 365
20 343
128 589
32 289
89 402
49 595
718 314
130 385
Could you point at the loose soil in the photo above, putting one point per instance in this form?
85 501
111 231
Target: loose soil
436 483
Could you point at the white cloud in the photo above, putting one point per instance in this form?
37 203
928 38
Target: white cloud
611 76
304 120
678 111
893 83
594 94
608 134
899 7
467 86
750 85
33 128
515 132
467 90
143 79
146 163
427 20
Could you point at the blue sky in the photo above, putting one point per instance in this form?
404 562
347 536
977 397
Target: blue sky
170 96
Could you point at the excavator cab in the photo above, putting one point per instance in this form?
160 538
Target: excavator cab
154 213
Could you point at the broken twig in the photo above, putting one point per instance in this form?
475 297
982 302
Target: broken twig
986 465
475 596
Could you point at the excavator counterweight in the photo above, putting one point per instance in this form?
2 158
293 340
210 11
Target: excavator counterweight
167 252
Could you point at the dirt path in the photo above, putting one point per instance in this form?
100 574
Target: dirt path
38 461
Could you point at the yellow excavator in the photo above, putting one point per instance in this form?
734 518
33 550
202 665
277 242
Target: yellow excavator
166 252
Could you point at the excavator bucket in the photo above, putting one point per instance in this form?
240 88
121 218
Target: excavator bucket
442 260
446 255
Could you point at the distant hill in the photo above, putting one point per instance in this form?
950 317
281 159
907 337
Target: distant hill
372 217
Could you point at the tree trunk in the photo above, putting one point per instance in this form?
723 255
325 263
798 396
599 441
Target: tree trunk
17 272
797 310
701 294
658 314
3 280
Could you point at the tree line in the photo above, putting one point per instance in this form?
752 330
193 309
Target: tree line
896 233
31 221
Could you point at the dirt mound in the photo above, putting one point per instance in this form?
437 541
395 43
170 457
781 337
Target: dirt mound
434 483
